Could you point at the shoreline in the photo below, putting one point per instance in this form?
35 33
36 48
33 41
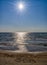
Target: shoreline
33 52
22 58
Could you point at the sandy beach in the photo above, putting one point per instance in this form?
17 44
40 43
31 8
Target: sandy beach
20 58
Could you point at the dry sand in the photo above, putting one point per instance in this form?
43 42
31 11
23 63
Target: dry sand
22 58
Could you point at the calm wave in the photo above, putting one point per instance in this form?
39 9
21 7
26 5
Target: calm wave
22 41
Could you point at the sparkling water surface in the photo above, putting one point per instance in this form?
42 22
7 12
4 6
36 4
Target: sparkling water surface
23 41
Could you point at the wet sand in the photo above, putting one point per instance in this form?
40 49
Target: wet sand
22 58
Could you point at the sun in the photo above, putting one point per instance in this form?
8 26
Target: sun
20 6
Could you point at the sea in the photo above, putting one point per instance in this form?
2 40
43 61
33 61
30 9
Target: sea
23 41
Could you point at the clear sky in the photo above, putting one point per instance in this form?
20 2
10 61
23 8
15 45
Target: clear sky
32 18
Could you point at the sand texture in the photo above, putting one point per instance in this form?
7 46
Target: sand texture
15 58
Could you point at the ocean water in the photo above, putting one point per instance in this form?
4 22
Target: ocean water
23 41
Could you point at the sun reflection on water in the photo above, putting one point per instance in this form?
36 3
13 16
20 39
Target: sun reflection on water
20 41
20 37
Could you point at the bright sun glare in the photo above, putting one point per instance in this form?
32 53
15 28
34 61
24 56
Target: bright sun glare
20 6
20 34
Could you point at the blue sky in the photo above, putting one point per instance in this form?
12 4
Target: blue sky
33 18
